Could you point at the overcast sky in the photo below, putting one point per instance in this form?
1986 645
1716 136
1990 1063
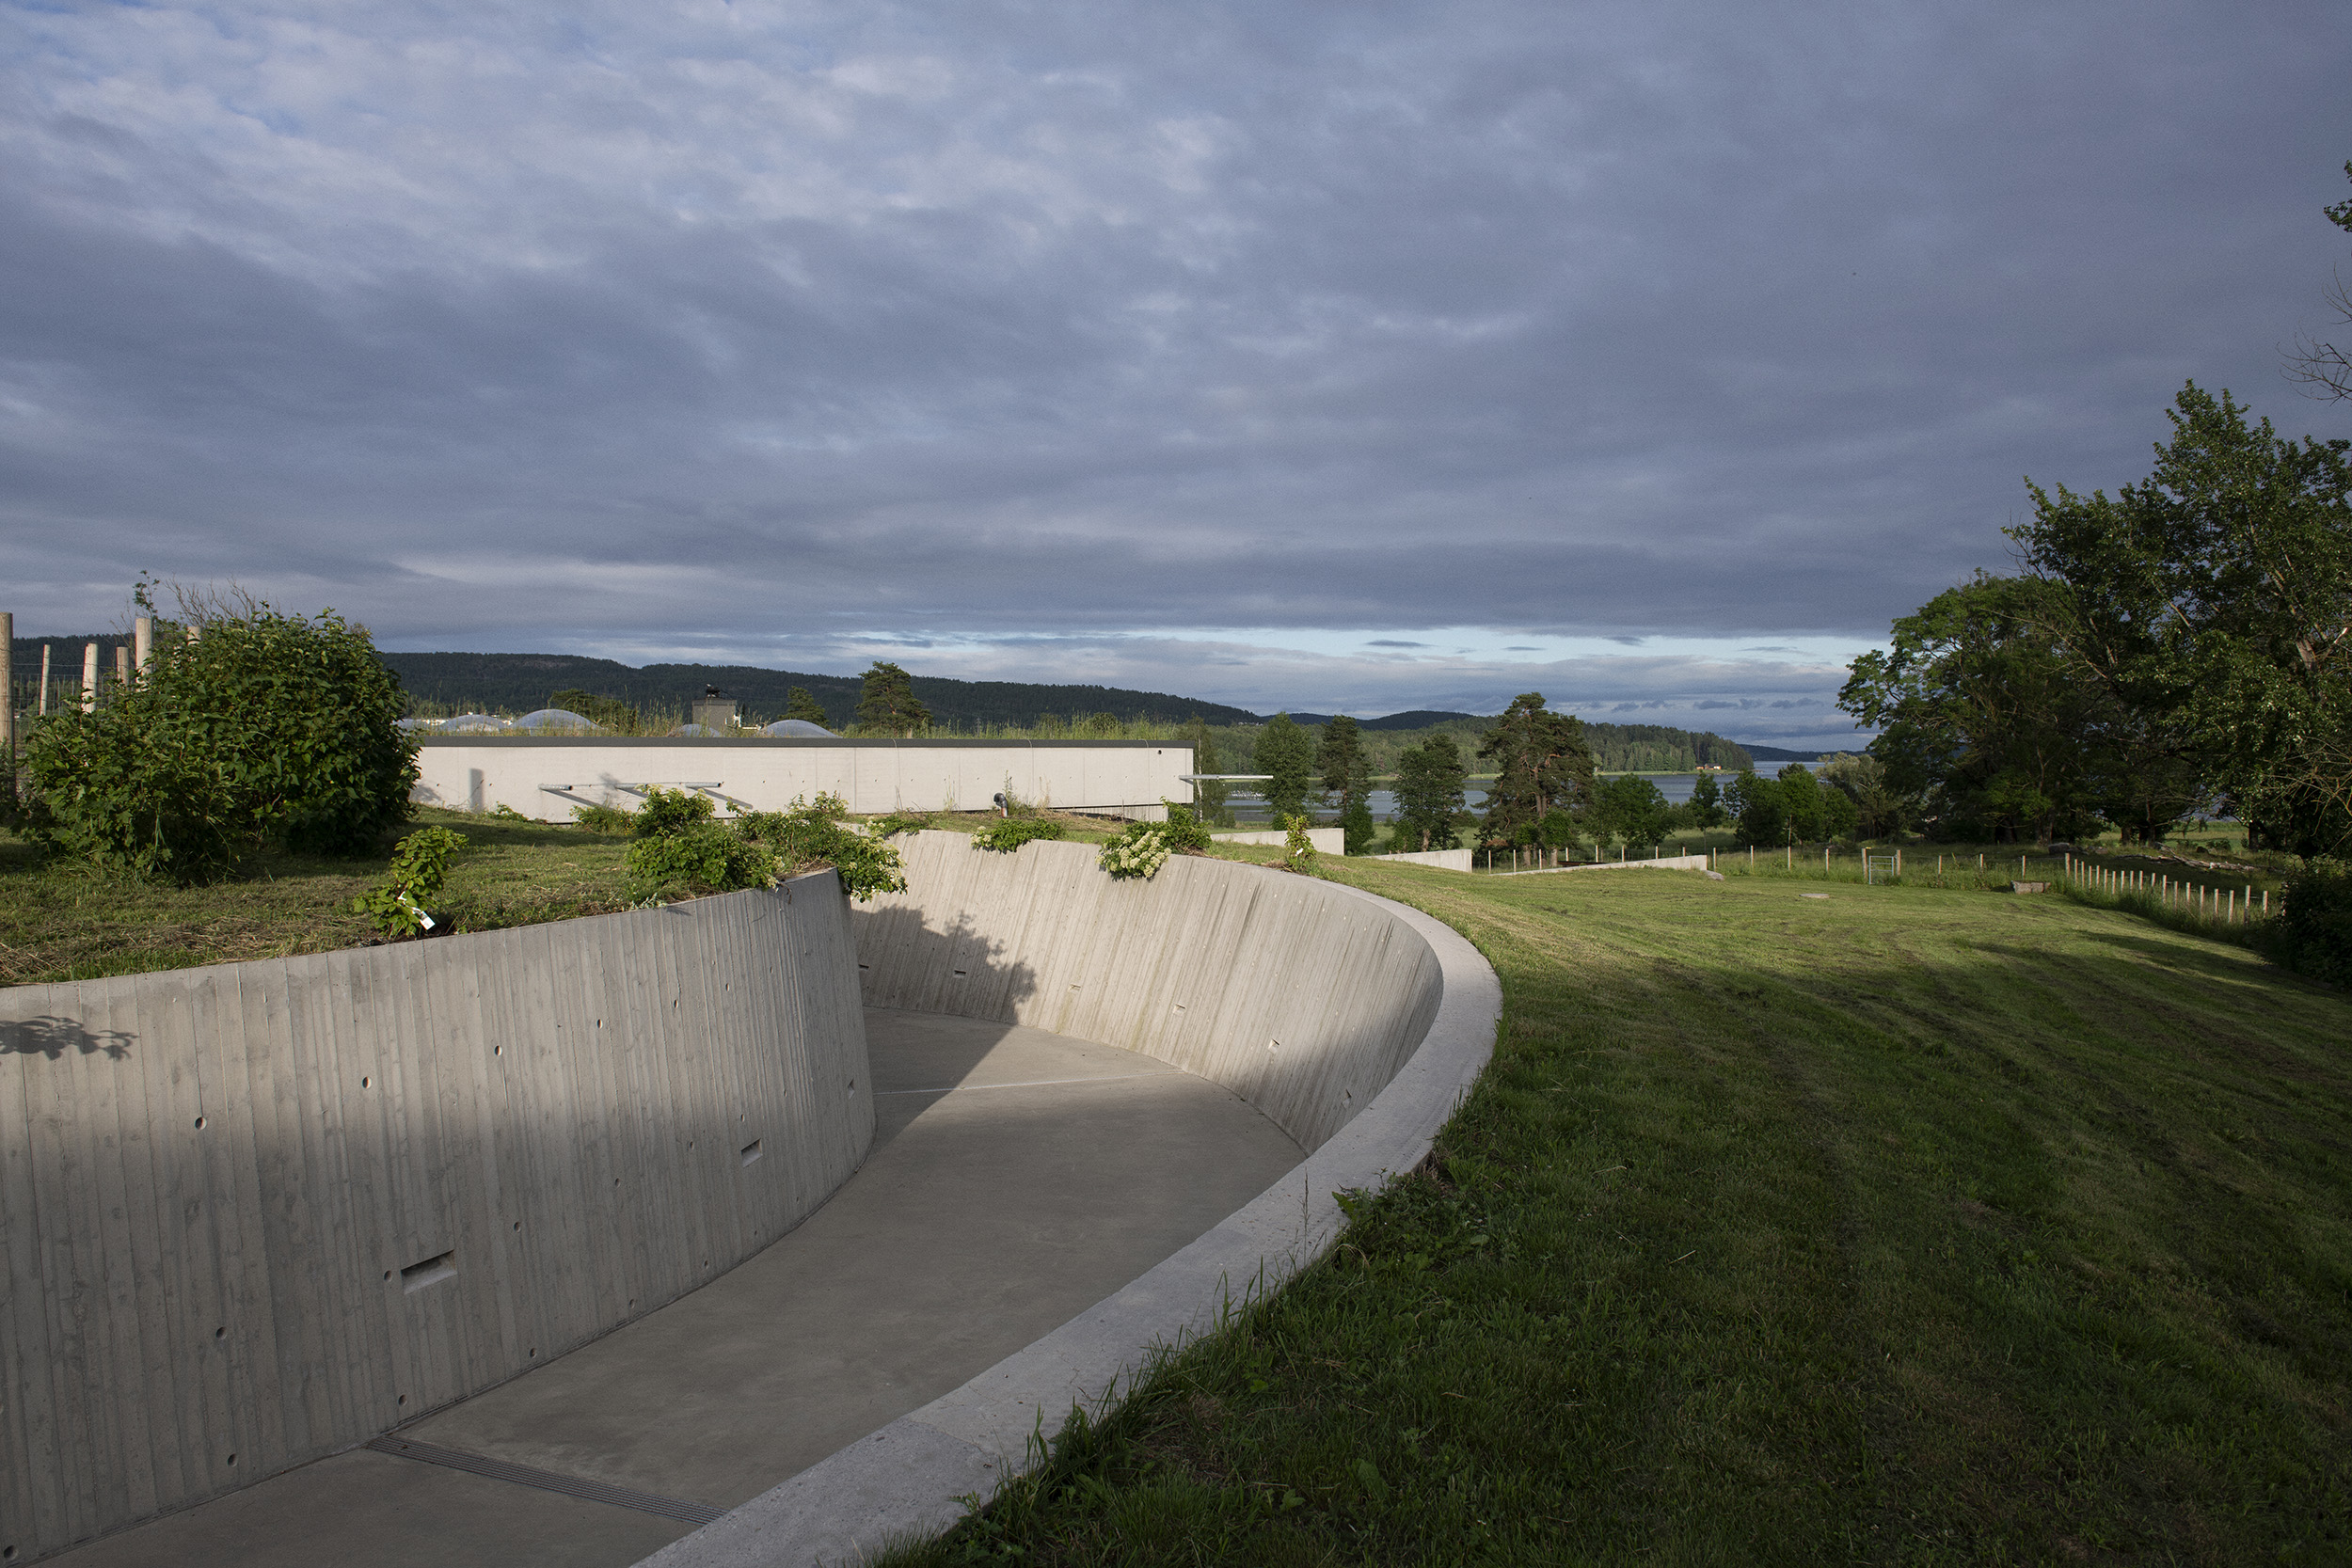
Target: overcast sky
1351 357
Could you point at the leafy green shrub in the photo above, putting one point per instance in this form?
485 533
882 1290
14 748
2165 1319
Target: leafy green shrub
419 866
270 728
2311 934
1298 851
1184 831
1008 833
1138 852
805 837
898 823
611 821
676 848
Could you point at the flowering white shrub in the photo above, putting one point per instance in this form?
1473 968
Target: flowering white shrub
1141 851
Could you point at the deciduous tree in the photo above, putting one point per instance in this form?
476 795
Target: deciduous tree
1284 751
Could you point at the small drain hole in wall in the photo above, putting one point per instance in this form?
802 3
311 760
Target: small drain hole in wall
750 1151
416 1276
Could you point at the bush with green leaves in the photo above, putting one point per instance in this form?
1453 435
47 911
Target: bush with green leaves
419 867
269 729
810 834
898 823
609 821
677 850
1008 833
1183 830
1298 851
2311 934
1138 853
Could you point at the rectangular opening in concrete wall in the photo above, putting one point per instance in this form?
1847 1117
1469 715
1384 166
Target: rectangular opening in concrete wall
416 1276
750 1151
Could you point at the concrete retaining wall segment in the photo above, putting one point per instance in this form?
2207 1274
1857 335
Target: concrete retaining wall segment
255 1214
1328 841
1444 860
1259 951
1122 778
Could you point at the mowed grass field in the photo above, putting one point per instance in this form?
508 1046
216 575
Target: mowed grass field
1899 1225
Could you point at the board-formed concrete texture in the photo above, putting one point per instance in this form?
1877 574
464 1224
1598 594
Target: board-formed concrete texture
1215 966
255 1214
544 778
1015 1178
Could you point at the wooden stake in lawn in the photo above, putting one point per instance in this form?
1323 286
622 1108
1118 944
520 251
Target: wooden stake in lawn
8 700
41 705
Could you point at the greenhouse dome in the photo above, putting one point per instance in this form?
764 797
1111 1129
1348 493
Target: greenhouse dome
800 727
556 719
473 723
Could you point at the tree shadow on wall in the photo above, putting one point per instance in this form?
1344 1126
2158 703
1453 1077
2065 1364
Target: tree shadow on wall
52 1036
948 969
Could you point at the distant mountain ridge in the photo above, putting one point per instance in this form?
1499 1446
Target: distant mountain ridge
520 682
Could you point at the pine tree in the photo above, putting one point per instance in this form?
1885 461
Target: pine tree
1542 764
799 705
887 705
1347 772
1430 793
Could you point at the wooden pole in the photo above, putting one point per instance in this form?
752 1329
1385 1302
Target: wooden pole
42 708
7 696
90 677
143 652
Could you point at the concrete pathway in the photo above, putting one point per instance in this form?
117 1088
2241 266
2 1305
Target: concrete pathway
1016 1179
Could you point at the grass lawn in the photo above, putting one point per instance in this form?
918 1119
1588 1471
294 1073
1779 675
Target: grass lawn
1902 1225
62 923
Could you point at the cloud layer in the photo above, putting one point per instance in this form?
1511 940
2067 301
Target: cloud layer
1104 337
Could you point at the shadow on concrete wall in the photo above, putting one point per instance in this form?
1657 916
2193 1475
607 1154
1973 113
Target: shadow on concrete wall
52 1037
950 968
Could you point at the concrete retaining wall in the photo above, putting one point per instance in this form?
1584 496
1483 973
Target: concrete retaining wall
1253 956
1296 994
255 1214
1328 841
1122 778
1445 860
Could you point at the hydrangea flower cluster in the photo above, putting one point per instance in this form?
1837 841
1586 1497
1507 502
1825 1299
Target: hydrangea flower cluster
1141 851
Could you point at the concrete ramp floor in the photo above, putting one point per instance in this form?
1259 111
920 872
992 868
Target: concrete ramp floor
1016 1179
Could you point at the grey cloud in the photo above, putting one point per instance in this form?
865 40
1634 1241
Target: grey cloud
1393 643
929 328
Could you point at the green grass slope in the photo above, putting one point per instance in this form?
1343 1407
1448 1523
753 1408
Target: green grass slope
1899 1225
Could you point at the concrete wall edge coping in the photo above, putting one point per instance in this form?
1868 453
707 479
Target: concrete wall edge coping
906 1480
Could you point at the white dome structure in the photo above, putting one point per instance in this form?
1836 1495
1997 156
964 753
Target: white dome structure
475 723
556 719
799 728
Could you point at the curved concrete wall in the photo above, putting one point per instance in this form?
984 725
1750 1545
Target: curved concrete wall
255 1214
1265 957
1299 996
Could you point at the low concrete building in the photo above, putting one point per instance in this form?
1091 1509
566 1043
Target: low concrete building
546 777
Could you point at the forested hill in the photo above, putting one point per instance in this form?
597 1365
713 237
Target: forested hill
1657 749
516 683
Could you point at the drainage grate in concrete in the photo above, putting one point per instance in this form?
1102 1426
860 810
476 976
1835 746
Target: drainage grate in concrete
548 1481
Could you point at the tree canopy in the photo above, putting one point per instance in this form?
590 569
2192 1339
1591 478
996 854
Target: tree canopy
1430 793
1285 751
888 705
1541 763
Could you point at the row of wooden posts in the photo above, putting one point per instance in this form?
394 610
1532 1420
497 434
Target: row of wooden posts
136 656
2222 904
